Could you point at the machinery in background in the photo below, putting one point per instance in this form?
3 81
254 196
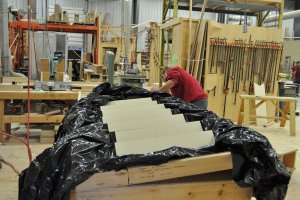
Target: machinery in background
132 77
52 86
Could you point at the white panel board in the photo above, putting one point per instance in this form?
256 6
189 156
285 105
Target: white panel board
136 114
188 140
130 124
178 128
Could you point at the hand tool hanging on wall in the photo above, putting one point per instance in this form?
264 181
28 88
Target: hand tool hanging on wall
280 49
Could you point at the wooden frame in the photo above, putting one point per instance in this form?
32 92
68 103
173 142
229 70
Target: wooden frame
210 180
34 118
289 108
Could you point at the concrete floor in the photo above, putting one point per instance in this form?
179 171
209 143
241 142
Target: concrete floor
16 154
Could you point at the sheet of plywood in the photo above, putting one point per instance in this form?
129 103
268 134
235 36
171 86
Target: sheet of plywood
179 128
131 124
136 114
131 101
132 107
259 90
143 146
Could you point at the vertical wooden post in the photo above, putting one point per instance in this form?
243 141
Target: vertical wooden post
241 113
246 112
190 36
286 112
281 14
292 119
2 128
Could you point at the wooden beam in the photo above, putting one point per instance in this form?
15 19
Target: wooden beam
34 118
292 119
35 95
2 128
180 168
170 23
283 99
208 190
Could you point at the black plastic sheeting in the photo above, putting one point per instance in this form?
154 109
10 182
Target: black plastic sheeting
83 147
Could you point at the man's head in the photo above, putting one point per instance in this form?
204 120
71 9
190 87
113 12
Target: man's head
163 73
298 63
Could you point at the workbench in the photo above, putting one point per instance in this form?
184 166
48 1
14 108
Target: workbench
204 177
34 95
289 108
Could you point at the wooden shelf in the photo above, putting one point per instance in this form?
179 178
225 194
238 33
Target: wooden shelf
37 95
55 27
34 118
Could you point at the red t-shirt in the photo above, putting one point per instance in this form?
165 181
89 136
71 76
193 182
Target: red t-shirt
294 68
186 86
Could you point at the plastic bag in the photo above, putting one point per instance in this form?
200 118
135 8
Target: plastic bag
84 146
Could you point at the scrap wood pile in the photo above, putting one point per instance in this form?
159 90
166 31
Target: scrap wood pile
83 147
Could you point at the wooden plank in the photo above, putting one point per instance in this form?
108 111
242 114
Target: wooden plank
34 118
46 140
194 139
259 90
171 23
246 112
7 79
209 190
289 159
6 87
104 180
189 36
275 98
2 128
37 95
292 119
45 65
180 168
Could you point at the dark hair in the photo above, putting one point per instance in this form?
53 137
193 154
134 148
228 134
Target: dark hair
163 71
298 62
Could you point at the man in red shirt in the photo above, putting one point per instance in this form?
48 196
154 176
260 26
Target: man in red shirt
182 85
296 72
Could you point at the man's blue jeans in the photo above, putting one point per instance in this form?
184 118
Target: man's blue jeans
201 103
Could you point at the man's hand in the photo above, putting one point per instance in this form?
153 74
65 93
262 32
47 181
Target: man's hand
154 89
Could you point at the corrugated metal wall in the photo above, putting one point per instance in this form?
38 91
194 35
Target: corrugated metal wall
148 10
112 7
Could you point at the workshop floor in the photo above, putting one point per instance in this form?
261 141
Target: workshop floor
17 155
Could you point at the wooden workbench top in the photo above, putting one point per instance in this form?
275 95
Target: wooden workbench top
40 95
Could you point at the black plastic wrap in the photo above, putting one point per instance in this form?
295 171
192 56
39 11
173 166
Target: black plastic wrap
83 147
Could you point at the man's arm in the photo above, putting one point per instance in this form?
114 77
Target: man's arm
165 88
